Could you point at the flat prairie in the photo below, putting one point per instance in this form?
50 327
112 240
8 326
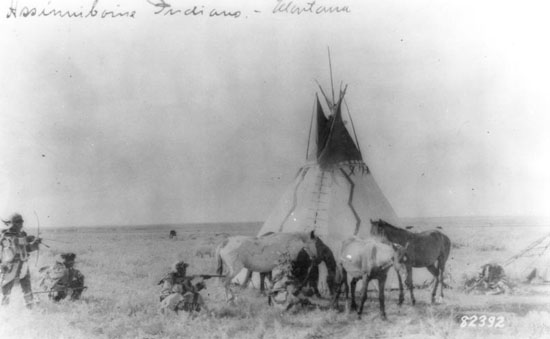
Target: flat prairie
123 265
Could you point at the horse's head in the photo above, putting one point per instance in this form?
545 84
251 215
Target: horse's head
324 253
401 257
376 228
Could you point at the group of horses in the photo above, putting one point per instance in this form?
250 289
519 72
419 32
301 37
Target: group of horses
366 259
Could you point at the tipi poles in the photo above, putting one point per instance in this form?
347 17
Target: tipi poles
311 126
330 67
510 260
330 104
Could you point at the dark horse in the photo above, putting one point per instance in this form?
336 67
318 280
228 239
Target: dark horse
428 249
306 270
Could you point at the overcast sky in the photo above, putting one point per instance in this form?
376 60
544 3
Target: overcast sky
170 119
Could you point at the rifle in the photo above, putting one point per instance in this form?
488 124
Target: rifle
62 290
207 276
64 242
191 277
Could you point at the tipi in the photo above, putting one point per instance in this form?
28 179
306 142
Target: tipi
334 192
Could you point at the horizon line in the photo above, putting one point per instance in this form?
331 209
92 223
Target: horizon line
164 224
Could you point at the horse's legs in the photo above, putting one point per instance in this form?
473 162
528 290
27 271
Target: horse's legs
441 274
337 293
247 279
353 282
313 281
346 286
364 293
269 277
330 280
435 271
401 293
381 286
262 281
409 283
226 284
316 291
340 278
233 270
229 296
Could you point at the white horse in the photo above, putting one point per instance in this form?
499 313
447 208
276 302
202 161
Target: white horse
260 254
367 259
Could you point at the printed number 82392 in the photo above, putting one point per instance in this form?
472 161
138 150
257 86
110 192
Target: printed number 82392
482 321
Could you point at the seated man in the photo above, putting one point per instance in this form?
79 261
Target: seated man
178 293
62 279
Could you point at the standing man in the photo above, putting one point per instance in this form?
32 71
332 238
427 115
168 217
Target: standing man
15 246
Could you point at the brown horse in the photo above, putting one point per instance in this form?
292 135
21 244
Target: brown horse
366 259
428 249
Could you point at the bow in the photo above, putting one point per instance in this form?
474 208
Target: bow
37 236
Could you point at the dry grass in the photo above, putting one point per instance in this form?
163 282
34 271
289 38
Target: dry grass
123 265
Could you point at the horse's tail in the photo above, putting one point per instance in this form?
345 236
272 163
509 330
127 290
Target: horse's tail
218 255
447 248
444 251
